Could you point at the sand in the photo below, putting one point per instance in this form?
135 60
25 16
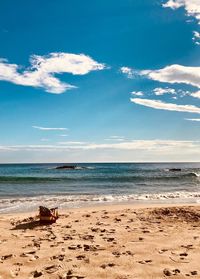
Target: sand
119 242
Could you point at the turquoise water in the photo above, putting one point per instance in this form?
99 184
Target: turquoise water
25 186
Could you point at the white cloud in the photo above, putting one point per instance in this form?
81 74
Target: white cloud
173 4
196 34
42 70
196 94
49 129
137 93
146 145
170 74
116 138
141 150
165 106
71 142
127 71
193 119
196 37
161 91
175 74
192 7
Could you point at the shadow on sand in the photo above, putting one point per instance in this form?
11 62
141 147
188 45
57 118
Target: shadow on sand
30 225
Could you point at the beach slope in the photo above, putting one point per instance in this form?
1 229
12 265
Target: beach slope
119 242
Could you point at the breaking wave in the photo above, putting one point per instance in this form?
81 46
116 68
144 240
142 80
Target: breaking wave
74 201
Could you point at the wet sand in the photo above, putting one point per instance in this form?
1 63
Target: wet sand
119 242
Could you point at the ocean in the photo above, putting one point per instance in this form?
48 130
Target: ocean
23 187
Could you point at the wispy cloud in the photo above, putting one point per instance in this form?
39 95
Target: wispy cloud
192 7
165 106
137 93
71 142
175 74
127 71
161 91
170 74
116 138
43 68
49 129
196 37
193 119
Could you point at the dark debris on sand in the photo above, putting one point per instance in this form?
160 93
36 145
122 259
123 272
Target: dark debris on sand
186 214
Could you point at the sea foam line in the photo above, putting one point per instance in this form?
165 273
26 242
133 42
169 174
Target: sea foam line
70 201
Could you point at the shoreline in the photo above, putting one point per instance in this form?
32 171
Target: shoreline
110 206
25 204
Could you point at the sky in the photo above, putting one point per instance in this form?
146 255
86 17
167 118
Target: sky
99 81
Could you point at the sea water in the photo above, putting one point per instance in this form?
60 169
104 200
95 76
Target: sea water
23 187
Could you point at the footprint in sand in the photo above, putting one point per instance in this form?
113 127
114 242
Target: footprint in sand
70 275
169 272
87 237
128 253
67 237
15 272
117 219
6 257
36 274
75 247
117 254
33 258
104 266
96 247
162 251
86 215
58 257
145 261
52 268
109 239
194 272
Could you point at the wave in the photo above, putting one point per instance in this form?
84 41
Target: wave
107 178
30 179
194 174
21 204
84 168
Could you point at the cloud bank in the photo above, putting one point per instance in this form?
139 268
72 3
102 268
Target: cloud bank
165 106
156 150
128 145
43 68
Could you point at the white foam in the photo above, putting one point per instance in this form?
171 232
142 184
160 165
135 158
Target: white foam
70 201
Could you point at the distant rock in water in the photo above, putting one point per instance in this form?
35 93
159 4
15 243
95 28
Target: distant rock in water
174 169
66 167
71 167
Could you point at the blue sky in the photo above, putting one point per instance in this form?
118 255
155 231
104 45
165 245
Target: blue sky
99 81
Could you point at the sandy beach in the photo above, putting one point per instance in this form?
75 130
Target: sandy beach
119 242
